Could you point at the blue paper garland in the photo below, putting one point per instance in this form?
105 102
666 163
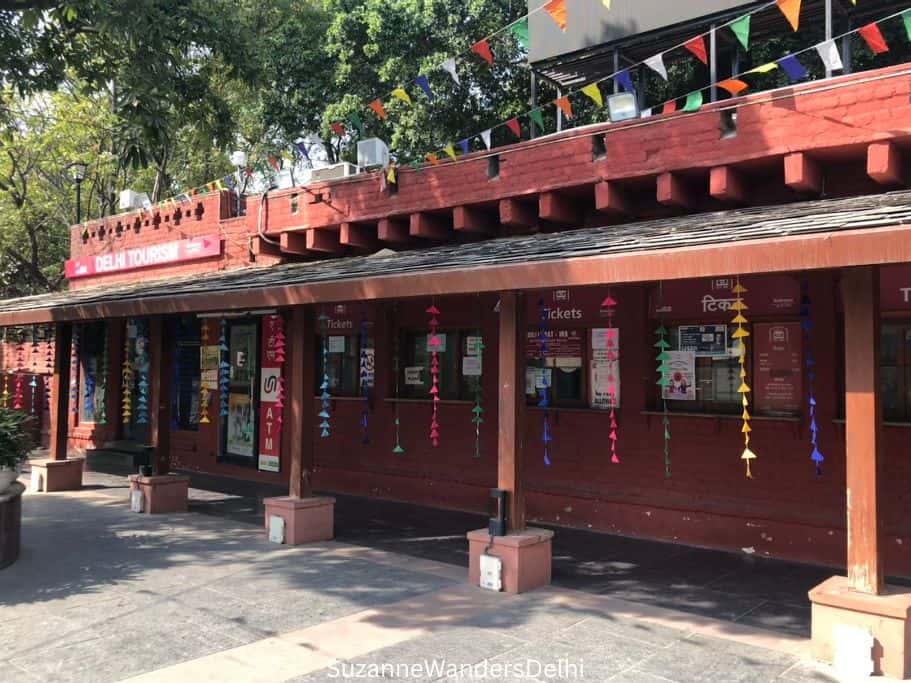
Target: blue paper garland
806 324
546 437
142 401
325 425
224 369
74 373
365 377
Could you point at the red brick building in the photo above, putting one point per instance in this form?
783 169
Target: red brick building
795 197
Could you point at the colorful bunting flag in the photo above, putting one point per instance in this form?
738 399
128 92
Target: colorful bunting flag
623 78
482 49
485 137
697 47
515 127
464 145
693 102
830 56
565 106
741 29
656 64
874 38
764 68
424 84
337 128
791 11
536 116
733 85
378 109
400 94
355 120
433 159
450 151
669 107
594 92
557 11
519 31
906 19
793 68
449 66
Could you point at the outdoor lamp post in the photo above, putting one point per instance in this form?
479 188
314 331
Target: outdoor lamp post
77 173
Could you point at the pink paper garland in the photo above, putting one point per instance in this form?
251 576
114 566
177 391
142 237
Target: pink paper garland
610 342
434 343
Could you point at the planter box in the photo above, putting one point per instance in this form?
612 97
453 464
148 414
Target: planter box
10 523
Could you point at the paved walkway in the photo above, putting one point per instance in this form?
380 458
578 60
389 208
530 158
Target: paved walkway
102 594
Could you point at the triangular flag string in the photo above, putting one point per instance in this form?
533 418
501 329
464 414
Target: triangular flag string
740 346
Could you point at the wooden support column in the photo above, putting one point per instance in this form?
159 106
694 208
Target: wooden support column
161 371
511 410
802 173
358 236
672 190
60 391
394 230
297 422
518 214
294 243
559 208
430 226
860 294
325 241
473 219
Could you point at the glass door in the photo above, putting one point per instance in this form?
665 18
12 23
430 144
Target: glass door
240 438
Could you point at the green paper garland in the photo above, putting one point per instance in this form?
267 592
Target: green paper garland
478 410
664 381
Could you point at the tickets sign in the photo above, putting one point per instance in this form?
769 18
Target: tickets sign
151 255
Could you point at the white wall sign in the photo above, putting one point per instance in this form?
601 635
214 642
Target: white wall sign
414 375
336 344
473 346
471 366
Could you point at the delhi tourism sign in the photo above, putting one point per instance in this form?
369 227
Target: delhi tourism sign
147 256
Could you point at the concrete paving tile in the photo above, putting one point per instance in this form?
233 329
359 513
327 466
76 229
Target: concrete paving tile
774 616
596 665
593 631
810 672
10 673
528 620
698 658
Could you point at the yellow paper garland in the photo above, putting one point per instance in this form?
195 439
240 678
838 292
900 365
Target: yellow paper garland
740 336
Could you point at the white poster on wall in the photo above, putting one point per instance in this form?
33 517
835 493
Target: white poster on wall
471 366
439 348
682 371
605 370
414 375
368 367
337 344
473 346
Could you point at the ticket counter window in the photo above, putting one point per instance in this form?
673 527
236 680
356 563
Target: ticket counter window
91 384
457 380
895 366
240 425
704 370
560 373
186 395
346 364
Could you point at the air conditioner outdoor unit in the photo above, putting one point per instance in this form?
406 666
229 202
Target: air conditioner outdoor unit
372 153
342 170
130 200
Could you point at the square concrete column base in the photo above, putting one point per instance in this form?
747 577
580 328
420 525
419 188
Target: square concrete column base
56 475
887 617
307 520
526 558
162 494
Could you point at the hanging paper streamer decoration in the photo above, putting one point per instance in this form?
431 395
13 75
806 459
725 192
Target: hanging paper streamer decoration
142 348
366 373
204 370
806 324
19 396
48 368
396 364
127 379
739 337
609 306
545 388
434 343
325 425
224 369
74 374
102 382
664 380
33 382
478 410
4 399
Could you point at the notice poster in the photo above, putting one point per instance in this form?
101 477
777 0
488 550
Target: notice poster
336 344
471 366
560 344
368 368
605 371
271 398
682 365
473 346
441 347
778 383
239 438
704 340
209 357
414 375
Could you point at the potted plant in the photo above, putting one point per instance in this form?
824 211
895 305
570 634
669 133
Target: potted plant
15 444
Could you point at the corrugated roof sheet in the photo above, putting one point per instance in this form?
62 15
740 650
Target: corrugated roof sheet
724 227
